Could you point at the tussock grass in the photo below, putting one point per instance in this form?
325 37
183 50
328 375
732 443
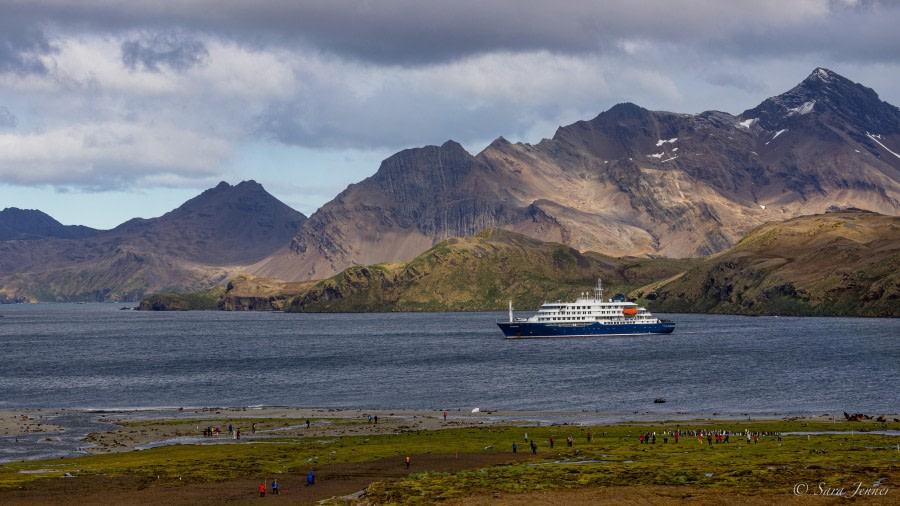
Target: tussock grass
613 458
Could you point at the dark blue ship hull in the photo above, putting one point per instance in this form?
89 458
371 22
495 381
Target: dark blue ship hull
515 330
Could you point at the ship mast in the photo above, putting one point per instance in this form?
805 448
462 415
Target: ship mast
510 312
598 291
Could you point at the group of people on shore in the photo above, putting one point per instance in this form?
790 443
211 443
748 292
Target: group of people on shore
214 431
710 436
310 480
570 442
235 433
702 435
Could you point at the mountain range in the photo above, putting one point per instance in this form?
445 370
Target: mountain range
629 183
199 244
835 264
843 263
480 272
24 224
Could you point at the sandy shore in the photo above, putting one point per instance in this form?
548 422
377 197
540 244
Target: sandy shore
140 429
137 429
187 426
19 422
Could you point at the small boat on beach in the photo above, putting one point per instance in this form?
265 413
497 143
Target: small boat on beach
588 316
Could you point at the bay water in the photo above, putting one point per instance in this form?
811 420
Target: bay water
95 356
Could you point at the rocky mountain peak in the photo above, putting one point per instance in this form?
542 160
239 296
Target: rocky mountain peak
827 92
430 168
20 224
223 224
618 113
629 181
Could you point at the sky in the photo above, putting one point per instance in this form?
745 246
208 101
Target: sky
115 109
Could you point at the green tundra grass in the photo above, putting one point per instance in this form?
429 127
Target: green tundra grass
614 458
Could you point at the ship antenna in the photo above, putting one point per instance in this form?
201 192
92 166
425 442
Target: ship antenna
598 292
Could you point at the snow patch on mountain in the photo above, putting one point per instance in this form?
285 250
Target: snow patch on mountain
670 141
748 122
875 138
806 108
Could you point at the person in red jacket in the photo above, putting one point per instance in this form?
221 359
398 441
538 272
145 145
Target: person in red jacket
262 489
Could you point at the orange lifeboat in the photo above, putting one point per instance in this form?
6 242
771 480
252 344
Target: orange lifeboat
629 311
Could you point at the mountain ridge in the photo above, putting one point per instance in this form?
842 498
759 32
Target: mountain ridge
199 244
843 263
27 224
630 181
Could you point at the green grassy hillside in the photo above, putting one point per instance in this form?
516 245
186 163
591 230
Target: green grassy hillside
836 264
482 272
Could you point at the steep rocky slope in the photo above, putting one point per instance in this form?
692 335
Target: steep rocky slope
844 263
193 247
481 272
835 264
629 182
23 224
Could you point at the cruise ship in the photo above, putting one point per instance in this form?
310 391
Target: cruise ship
588 316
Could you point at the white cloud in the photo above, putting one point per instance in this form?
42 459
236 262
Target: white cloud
400 73
108 155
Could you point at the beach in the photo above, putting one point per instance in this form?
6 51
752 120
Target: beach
22 422
171 456
159 427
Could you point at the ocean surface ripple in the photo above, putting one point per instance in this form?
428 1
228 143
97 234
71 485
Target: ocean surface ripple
93 356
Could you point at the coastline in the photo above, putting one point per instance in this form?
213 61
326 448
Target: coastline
20 422
143 428
162 456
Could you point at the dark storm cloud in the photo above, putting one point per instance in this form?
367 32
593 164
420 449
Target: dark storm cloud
413 32
864 35
175 50
21 47
389 121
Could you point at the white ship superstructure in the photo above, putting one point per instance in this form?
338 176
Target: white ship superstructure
589 315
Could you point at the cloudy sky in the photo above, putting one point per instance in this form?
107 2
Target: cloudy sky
112 109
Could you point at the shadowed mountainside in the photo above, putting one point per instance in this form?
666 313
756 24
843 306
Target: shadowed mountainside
481 272
24 224
630 182
196 246
844 263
